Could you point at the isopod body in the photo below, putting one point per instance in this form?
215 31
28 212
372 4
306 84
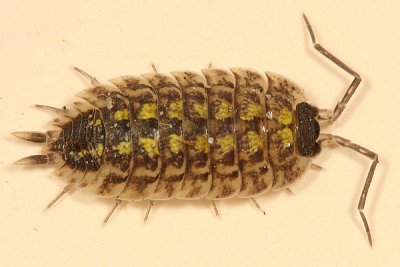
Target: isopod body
221 134
215 135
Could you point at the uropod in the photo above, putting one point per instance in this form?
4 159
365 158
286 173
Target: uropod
214 135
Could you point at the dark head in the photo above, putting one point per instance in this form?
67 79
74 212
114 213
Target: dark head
307 130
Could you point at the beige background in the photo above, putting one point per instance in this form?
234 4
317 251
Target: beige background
40 40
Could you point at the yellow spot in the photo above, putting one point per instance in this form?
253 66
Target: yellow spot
175 110
255 142
201 109
286 135
252 111
124 148
202 144
148 111
226 143
98 122
224 111
122 114
150 146
82 153
285 117
175 144
99 149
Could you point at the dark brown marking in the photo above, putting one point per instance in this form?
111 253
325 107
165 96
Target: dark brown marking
226 191
141 183
308 129
194 192
110 181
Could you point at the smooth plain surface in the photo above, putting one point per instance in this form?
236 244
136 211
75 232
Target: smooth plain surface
319 226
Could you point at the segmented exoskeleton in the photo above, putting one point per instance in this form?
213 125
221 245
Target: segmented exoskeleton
215 135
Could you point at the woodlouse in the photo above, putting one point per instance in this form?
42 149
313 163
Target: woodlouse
219 134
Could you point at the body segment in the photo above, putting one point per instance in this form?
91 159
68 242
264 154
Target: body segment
143 143
112 175
281 100
257 177
197 181
226 176
172 150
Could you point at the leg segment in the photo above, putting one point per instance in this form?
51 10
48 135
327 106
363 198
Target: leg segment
114 207
151 204
215 208
257 205
92 79
317 167
154 68
328 116
327 139
66 189
48 108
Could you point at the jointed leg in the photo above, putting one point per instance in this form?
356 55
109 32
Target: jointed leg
114 207
257 205
317 167
66 189
328 116
215 208
92 79
327 139
151 204
154 68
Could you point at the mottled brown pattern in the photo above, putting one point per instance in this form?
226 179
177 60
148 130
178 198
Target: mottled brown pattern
140 184
194 192
216 105
160 81
219 77
225 171
173 163
146 167
257 184
227 191
95 135
110 181
189 79
68 145
199 160
197 173
117 131
288 166
250 91
247 78
228 159
108 101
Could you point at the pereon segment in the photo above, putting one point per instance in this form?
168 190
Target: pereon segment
198 177
143 143
226 176
171 147
257 175
281 100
